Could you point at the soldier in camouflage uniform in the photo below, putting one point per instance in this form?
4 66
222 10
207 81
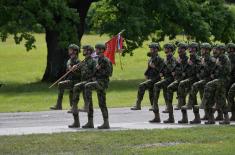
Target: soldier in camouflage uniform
71 79
185 85
231 92
215 91
204 74
100 84
166 71
152 75
180 73
87 69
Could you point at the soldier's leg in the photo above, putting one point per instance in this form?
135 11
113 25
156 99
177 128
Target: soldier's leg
90 123
157 88
183 85
67 84
231 95
142 87
170 90
101 94
77 89
76 123
197 119
208 99
151 96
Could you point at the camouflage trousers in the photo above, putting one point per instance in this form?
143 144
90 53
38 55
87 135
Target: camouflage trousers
156 92
146 85
183 88
101 94
215 95
196 87
231 95
67 84
77 90
170 92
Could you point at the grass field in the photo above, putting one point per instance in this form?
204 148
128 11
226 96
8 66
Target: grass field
192 141
21 72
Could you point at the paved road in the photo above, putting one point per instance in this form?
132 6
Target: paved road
57 121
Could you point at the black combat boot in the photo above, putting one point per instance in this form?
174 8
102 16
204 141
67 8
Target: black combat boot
137 106
232 118
105 125
211 119
197 119
219 115
156 118
226 119
184 119
89 124
170 119
76 123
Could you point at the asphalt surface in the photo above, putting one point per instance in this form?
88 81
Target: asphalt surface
24 123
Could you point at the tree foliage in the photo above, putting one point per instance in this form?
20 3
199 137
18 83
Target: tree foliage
203 20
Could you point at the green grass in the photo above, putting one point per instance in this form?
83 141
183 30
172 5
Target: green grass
21 72
191 141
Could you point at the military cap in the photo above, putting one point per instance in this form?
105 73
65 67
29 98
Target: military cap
74 47
206 45
87 47
230 45
100 46
194 45
182 45
154 45
169 45
221 47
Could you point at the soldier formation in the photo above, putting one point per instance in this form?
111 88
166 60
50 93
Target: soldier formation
213 76
90 74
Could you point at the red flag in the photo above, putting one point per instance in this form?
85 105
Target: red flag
112 46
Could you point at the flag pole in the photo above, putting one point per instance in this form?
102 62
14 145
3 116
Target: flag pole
119 52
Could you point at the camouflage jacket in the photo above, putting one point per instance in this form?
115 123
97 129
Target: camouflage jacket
223 68
87 69
170 64
194 66
106 69
207 67
74 76
154 73
182 69
232 60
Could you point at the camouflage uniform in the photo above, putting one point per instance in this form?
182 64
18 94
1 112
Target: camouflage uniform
71 79
215 90
100 84
185 85
231 92
153 75
181 73
169 65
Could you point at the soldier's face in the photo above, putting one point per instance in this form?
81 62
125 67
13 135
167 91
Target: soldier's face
192 50
152 50
231 50
168 52
203 51
72 53
216 52
181 51
84 52
99 52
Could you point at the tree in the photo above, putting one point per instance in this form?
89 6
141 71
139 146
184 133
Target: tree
203 20
63 22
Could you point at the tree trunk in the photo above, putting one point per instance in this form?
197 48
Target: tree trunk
56 58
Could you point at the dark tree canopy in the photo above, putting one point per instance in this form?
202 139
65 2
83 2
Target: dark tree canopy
63 23
203 20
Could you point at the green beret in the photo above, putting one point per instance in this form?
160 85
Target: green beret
74 47
154 45
100 46
206 46
230 45
169 45
182 45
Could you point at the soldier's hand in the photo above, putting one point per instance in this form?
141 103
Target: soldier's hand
203 61
173 73
179 60
218 62
152 65
97 66
75 67
93 79
161 75
212 76
146 77
190 62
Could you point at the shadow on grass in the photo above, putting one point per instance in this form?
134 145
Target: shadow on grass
39 87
